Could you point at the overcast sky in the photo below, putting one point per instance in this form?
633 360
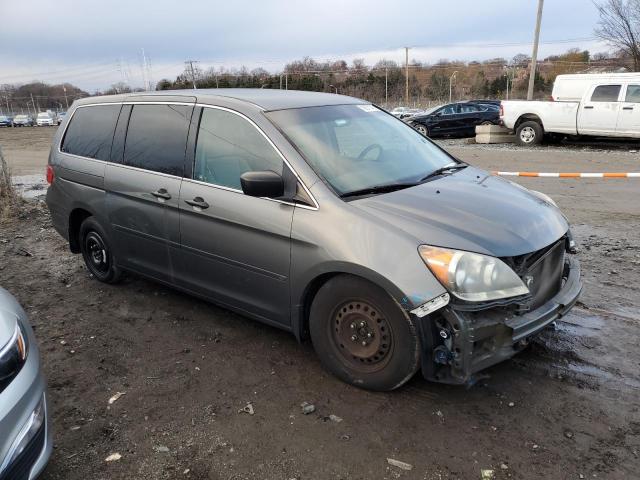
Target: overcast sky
96 43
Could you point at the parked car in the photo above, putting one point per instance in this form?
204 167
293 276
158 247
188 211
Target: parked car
604 105
458 119
23 121
60 117
45 119
319 214
25 434
6 121
396 112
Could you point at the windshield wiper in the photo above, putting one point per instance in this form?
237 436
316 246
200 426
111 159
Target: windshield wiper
391 187
445 169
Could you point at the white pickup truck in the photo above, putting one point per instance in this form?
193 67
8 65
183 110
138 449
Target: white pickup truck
604 105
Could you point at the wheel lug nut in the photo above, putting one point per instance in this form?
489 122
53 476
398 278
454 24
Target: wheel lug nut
364 343
354 338
353 326
369 335
362 324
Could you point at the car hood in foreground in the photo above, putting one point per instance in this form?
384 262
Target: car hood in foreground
10 311
471 210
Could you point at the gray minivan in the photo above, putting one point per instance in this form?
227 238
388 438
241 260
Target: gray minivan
319 214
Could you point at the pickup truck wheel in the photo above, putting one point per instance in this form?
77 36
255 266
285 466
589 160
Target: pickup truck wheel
362 335
529 133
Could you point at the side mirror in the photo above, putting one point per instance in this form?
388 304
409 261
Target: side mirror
262 184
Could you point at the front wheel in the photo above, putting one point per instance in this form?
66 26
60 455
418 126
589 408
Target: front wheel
97 253
362 335
529 133
422 129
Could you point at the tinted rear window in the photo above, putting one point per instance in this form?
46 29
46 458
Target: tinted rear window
606 93
633 94
90 132
157 138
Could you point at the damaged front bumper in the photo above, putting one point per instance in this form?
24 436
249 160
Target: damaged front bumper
458 343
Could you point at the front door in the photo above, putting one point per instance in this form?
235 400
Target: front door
599 114
235 249
143 189
629 116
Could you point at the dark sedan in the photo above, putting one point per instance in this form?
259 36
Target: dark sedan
458 119
6 121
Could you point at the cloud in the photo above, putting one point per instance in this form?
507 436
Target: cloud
95 43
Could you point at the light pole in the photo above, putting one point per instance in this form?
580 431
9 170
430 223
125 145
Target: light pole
333 86
453 75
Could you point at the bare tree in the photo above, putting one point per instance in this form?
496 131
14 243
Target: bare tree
619 25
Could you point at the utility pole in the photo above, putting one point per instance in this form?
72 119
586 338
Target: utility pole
386 86
34 105
286 81
190 63
66 100
453 75
406 76
534 56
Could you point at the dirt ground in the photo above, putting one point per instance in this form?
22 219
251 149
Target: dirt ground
566 408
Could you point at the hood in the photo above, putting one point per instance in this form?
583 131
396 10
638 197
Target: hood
10 311
471 210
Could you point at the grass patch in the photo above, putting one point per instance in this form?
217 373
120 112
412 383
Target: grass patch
8 197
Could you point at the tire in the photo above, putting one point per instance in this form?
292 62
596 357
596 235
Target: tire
362 336
529 133
422 129
97 252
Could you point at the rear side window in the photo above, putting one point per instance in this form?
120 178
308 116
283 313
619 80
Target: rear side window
633 94
228 146
157 138
606 93
90 132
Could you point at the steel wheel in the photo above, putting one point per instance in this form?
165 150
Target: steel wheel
363 335
97 252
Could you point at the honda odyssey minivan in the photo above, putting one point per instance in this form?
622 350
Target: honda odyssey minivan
319 214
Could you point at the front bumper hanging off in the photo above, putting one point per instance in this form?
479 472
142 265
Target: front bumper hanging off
457 343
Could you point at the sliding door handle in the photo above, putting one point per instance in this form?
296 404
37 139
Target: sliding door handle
161 193
588 107
197 202
627 108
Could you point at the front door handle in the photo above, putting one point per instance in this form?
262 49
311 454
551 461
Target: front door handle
588 107
627 108
161 193
197 202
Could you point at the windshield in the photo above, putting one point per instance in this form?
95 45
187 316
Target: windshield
43 115
355 147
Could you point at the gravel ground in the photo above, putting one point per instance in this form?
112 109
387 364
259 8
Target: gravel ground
568 406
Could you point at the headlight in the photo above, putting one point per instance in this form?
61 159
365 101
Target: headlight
471 276
12 357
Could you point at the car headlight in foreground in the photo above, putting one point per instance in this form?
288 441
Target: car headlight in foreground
13 356
471 276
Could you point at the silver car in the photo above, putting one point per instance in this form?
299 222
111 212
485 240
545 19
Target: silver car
25 436
319 214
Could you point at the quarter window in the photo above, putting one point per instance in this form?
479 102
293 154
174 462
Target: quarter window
633 94
606 93
90 132
228 146
157 138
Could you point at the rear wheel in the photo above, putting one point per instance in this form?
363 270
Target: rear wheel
362 336
97 253
529 133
